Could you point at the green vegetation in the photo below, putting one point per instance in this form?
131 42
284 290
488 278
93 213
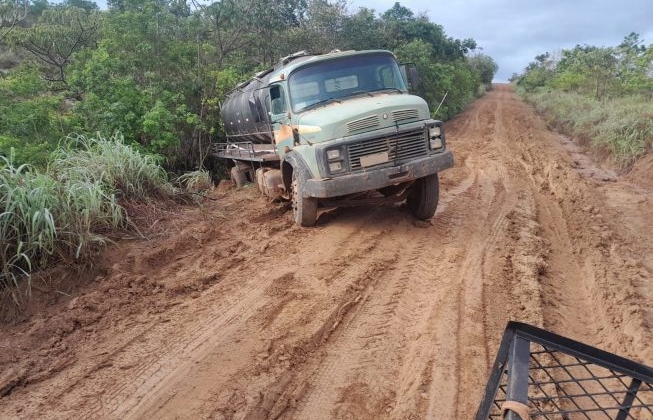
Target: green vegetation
60 214
600 96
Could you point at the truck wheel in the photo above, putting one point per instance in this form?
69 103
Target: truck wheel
239 178
304 209
423 198
259 180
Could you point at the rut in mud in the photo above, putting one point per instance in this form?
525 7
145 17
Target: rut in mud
232 312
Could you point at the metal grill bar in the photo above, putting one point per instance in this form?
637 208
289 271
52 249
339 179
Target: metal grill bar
399 148
404 114
566 380
363 123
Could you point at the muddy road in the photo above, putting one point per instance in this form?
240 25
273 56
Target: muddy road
229 311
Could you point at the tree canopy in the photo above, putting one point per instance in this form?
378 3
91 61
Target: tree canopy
600 72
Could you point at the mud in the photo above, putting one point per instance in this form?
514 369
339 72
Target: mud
229 311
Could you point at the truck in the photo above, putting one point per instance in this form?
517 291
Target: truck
336 129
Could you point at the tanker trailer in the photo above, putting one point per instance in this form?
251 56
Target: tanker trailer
336 129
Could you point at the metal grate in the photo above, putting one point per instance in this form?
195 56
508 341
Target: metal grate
363 123
562 379
399 148
404 114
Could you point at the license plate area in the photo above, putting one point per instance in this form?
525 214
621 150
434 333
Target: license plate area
374 159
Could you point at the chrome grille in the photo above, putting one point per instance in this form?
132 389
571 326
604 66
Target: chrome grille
363 123
404 114
399 148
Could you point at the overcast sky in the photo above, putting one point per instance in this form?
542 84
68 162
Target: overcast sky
513 32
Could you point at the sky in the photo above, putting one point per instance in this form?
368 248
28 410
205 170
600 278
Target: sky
513 32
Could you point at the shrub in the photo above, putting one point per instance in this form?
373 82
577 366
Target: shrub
62 213
622 127
118 167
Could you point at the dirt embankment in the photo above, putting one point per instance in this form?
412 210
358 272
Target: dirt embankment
231 312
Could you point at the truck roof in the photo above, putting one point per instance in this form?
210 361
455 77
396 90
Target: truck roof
288 64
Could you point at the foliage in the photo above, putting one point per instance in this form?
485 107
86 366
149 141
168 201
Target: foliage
195 181
600 95
622 127
484 66
455 79
58 33
32 120
602 72
119 168
60 214
12 13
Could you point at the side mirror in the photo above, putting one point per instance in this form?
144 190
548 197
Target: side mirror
411 77
277 118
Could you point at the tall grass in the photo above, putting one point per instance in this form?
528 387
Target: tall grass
622 127
116 166
195 181
62 213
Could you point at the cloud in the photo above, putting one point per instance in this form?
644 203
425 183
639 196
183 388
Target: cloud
513 32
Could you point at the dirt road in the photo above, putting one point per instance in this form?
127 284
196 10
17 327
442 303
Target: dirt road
232 312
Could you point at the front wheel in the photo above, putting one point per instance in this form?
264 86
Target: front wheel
423 197
304 209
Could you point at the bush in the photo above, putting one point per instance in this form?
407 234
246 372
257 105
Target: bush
61 214
622 127
118 167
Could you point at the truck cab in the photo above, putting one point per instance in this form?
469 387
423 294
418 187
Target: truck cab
344 131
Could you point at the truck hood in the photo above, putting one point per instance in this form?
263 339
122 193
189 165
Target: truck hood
359 115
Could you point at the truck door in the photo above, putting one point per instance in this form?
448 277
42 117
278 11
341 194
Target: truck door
280 117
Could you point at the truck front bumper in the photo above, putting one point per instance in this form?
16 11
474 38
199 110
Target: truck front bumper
375 178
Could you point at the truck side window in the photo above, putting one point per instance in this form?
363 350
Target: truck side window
386 77
277 99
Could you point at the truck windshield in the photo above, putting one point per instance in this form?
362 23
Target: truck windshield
335 80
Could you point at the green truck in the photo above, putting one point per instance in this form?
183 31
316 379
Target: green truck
336 129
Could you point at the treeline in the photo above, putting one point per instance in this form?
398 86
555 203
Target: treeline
602 96
156 70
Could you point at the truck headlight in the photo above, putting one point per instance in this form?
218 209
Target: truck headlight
335 166
435 143
333 154
336 160
435 137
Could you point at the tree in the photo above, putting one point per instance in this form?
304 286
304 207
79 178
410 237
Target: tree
596 66
398 13
12 12
539 72
634 64
87 5
484 66
59 33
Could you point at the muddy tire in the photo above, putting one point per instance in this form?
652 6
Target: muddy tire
423 198
239 178
304 209
259 180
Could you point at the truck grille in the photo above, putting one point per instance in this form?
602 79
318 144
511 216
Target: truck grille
399 148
